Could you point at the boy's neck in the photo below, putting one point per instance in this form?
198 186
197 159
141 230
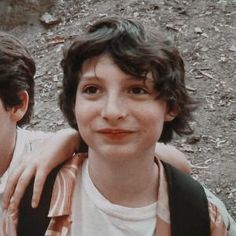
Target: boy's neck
6 152
130 183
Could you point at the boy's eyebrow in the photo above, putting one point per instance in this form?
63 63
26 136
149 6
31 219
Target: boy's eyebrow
91 75
146 80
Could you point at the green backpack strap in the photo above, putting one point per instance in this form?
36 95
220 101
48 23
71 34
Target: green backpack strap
188 203
34 221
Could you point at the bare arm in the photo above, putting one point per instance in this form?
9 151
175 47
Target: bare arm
173 156
49 154
55 151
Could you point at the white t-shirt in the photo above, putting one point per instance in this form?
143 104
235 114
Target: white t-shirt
26 141
108 218
89 205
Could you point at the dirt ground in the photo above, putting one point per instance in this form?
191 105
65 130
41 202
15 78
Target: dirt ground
204 32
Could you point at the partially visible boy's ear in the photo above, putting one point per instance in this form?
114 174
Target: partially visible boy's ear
18 111
171 114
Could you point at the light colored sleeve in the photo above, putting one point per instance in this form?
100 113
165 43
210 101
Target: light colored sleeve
36 138
218 227
229 223
36 135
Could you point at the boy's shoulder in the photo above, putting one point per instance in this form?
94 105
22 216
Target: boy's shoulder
218 208
33 135
190 202
31 139
48 205
26 141
187 203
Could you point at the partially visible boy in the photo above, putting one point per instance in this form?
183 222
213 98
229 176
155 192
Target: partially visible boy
17 69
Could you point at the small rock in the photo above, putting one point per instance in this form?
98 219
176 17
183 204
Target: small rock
218 190
233 48
59 84
171 26
193 140
205 35
60 122
187 148
103 15
223 59
55 79
216 29
198 30
48 19
204 49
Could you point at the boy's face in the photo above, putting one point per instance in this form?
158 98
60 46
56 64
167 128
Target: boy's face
117 114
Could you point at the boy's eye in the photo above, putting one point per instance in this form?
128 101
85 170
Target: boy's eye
91 90
138 90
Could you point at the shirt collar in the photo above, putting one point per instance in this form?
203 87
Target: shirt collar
63 188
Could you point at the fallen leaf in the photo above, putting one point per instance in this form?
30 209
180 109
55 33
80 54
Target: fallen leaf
56 40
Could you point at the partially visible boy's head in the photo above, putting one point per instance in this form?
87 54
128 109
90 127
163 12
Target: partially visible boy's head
136 51
17 69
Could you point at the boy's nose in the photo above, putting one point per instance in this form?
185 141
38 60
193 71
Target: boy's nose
114 109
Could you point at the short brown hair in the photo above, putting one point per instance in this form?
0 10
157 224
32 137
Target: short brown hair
17 69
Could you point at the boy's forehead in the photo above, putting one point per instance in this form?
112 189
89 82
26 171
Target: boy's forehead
91 63
90 67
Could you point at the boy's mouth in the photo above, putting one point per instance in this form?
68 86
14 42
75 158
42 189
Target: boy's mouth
115 133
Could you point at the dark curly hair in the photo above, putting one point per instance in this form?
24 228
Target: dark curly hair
17 69
136 51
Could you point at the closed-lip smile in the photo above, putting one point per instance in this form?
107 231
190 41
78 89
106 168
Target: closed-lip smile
115 134
114 131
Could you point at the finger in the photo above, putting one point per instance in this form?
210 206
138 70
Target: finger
21 186
13 213
39 181
10 186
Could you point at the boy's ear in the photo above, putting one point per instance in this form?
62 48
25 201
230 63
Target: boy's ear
18 111
171 114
